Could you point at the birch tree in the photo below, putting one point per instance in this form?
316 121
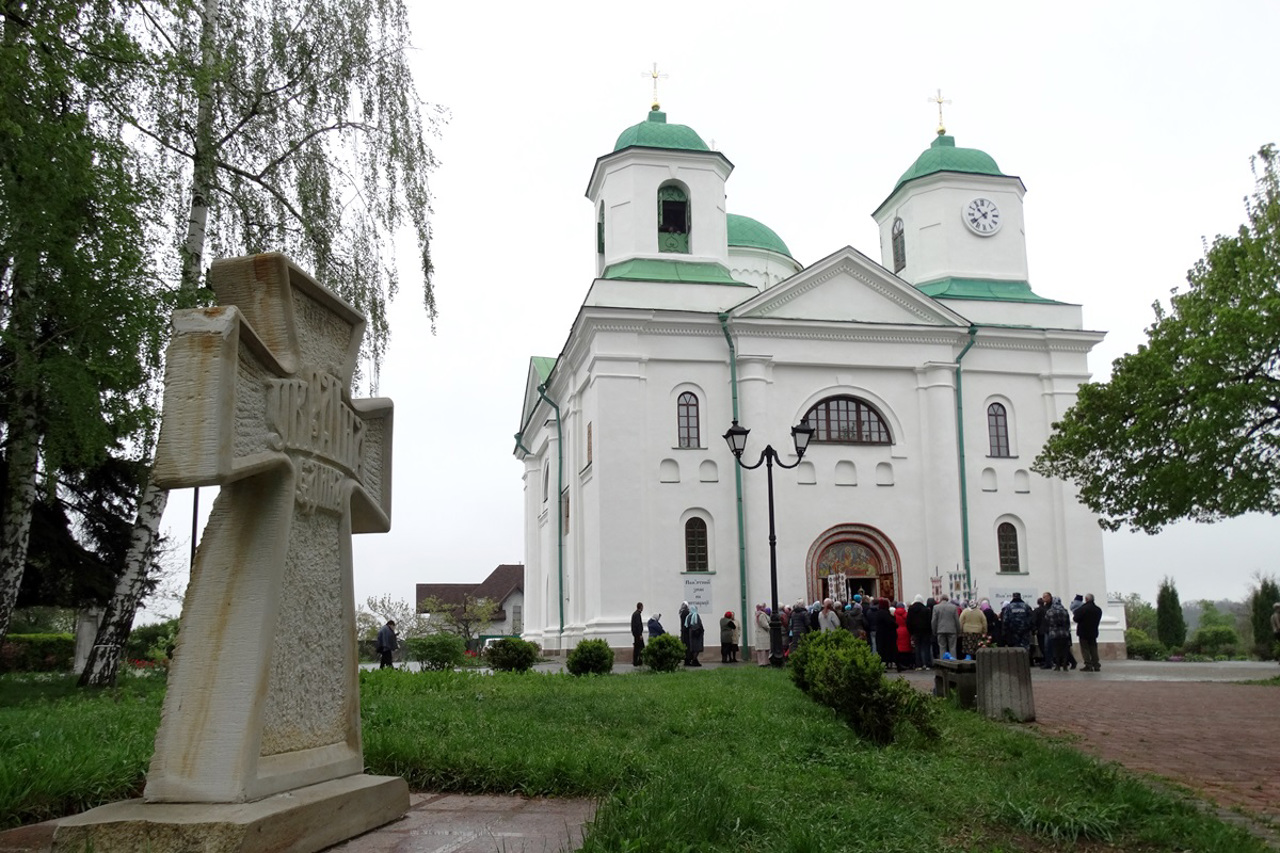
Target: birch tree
79 305
289 125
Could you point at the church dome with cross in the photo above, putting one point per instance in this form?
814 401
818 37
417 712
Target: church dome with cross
654 132
944 156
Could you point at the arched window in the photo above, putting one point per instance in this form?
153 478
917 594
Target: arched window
847 420
899 246
1007 544
546 481
687 419
998 429
695 545
673 220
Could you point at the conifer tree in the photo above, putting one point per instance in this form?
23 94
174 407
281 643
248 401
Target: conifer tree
1171 627
1262 601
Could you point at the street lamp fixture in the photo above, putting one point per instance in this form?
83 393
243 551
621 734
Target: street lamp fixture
736 438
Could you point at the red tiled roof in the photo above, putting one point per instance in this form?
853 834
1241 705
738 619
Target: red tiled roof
501 583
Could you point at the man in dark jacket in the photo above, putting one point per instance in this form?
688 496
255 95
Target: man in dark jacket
1017 620
1042 629
918 625
386 643
1087 618
637 633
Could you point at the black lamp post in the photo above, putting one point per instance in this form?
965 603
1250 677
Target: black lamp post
737 440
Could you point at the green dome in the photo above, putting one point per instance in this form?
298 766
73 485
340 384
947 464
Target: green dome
944 156
745 231
654 132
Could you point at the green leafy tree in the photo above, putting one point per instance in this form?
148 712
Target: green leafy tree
282 125
468 619
1139 614
1189 425
1262 600
1171 627
80 318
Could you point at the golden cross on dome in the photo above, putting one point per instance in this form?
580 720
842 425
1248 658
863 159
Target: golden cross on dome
656 77
938 99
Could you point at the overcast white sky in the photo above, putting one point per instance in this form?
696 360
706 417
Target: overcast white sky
1131 125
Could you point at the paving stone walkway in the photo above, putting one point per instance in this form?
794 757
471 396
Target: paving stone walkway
456 823
1221 740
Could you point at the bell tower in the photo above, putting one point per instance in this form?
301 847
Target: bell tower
954 220
659 196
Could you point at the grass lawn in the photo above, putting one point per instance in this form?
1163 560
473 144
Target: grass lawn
726 759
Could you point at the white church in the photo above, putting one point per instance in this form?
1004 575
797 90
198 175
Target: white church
930 379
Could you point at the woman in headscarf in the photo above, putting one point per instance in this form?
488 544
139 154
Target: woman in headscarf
696 629
886 632
762 634
727 628
683 616
1058 630
993 622
973 624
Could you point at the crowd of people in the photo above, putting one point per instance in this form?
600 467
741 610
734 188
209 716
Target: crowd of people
907 637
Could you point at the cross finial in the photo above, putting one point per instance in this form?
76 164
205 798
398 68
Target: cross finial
656 77
938 99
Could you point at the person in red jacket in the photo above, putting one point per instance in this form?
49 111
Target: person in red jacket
906 656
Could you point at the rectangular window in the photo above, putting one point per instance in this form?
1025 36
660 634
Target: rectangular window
564 503
588 442
517 619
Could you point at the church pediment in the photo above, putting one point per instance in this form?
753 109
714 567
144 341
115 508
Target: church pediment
540 368
848 286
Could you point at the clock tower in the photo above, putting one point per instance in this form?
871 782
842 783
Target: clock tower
953 224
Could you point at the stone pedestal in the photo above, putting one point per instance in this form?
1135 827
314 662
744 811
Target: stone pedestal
87 623
1004 685
300 821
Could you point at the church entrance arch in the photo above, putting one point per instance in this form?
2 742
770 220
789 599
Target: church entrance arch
849 559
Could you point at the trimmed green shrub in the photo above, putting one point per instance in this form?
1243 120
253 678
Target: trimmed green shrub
512 655
664 653
439 651
590 657
1141 647
1214 640
37 653
798 661
849 678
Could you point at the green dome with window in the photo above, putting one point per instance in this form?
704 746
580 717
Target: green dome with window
944 156
745 231
654 132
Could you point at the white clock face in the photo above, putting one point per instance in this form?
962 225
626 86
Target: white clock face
982 216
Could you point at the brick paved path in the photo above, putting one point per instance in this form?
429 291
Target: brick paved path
1222 740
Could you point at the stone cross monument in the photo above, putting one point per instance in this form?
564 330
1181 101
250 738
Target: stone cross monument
263 693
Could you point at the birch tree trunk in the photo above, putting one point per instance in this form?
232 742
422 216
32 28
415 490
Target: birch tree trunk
117 622
108 646
23 451
16 532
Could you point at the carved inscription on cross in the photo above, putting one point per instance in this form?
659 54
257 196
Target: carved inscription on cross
262 696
